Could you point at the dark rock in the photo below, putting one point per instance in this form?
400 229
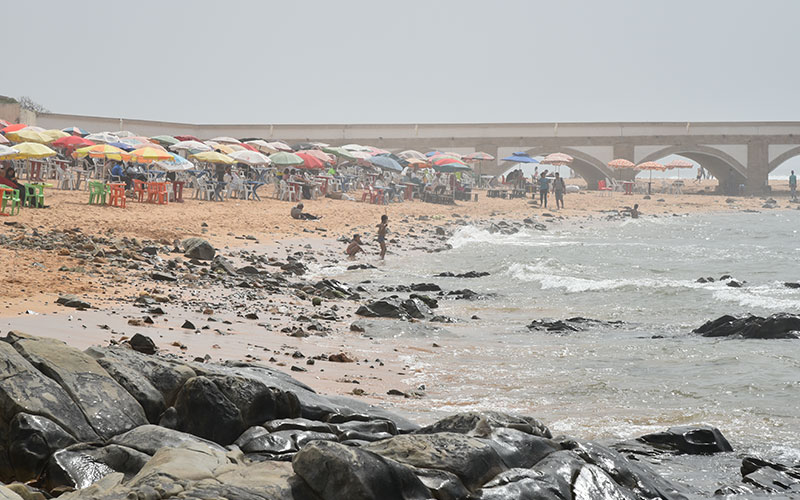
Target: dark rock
383 308
791 285
188 325
81 465
248 270
734 284
198 248
469 274
337 472
223 266
416 308
143 344
151 250
204 411
700 440
428 301
259 440
777 326
340 358
360 266
575 324
294 267
770 477
160 276
73 301
150 438
481 423
425 287
251 315
355 327
31 441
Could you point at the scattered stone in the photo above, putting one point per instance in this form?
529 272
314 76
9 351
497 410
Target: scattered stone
188 325
143 344
198 248
340 358
73 301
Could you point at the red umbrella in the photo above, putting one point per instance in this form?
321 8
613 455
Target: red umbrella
248 146
186 138
310 161
446 160
73 141
4 124
13 128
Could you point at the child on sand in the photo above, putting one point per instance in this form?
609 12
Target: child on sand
383 227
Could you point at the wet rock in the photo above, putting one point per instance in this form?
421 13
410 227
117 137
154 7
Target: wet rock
416 308
80 466
340 358
188 325
383 308
791 285
482 423
73 301
256 401
150 438
734 284
425 287
83 379
204 411
355 327
360 266
294 267
428 301
143 344
198 248
770 477
693 440
248 271
777 326
575 324
223 266
32 439
469 274
337 472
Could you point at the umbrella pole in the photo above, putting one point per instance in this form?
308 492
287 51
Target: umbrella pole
649 184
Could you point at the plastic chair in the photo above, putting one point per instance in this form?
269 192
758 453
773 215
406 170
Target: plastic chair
97 193
10 197
139 189
34 195
157 193
601 186
116 195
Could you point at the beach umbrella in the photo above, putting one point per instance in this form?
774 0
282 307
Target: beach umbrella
310 161
280 146
235 147
452 167
446 160
213 157
191 146
520 157
226 140
72 141
621 163
4 124
124 133
3 140
320 155
478 156
557 159
125 146
262 146
149 154
75 131
101 151
13 127
55 134
250 157
33 150
357 147
678 163
165 140
304 146
284 159
176 164
28 135
103 137
419 162
650 165
410 153
339 152
385 163
7 151
376 151
187 138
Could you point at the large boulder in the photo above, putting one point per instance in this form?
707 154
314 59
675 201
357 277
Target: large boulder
473 460
337 472
151 438
198 248
82 465
32 439
24 389
108 407
256 402
203 410
518 449
777 326
693 440
523 484
770 477
482 423
383 308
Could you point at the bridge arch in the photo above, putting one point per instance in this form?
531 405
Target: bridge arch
781 159
585 165
728 170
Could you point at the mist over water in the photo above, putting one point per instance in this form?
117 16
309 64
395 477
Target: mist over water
613 381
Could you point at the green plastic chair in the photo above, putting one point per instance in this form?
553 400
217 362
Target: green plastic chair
34 195
10 198
97 193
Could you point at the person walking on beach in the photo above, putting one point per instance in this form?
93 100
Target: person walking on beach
559 188
544 187
793 185
383 228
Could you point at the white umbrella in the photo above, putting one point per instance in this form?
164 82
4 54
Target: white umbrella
226 140
280 146
105 137
410 153
124 133
357 147
194 146
250 157
7 151
262 146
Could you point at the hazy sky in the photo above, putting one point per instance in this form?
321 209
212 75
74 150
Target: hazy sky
412 61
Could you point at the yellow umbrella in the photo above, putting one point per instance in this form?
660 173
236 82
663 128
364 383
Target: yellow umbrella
28 135
33 150
55 134
213 157
149 154
101 151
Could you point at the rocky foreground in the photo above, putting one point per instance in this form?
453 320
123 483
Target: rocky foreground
122 422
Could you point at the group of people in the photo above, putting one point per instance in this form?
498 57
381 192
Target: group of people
558 187
354 247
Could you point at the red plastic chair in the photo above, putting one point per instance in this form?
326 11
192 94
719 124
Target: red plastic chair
139 190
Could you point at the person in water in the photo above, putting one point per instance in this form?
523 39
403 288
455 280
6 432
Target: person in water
634 211
354 246
383 228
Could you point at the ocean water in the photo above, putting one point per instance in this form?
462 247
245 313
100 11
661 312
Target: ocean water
614 382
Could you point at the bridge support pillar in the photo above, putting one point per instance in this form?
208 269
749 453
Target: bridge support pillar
757 168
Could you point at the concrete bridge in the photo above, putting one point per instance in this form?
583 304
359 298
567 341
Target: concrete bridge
736 153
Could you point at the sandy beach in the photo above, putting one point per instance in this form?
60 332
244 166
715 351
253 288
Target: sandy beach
33 277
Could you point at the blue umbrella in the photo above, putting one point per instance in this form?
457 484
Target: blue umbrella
385 163
431 153
520 157
122 145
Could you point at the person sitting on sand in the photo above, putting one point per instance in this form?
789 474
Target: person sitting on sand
354 246
297 213
383 228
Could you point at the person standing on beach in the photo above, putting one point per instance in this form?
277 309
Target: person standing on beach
793 185
559 188
383 228
544 187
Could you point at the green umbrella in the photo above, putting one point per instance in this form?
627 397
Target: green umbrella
284 159
165 140
341 153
